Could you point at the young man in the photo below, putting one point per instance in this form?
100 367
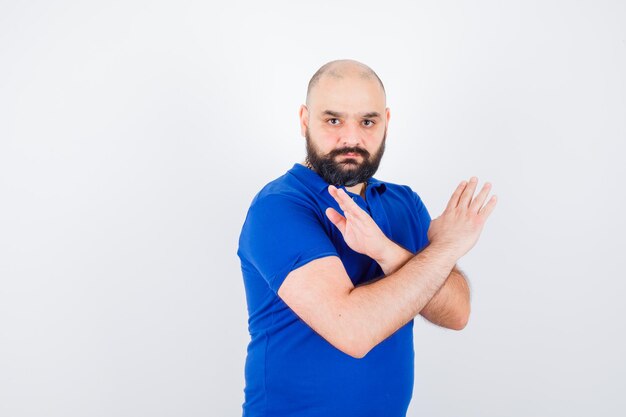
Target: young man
336 264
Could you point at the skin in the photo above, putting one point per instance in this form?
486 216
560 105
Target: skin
449 307
353 96
355 319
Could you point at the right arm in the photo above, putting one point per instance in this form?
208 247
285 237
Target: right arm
355 319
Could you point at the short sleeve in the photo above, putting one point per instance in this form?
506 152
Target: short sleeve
424 218
281 234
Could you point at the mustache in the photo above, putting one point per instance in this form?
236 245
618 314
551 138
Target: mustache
363 152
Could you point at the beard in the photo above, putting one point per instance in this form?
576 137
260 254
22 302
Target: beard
348 171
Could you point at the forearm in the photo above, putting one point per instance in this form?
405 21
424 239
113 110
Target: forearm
376 310
450 306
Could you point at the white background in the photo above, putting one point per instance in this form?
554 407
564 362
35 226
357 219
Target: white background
133 136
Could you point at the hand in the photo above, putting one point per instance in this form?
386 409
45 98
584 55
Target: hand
359 230
461 223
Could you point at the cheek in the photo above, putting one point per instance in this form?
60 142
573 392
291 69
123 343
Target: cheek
326 133
326 139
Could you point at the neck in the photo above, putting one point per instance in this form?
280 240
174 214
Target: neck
355 189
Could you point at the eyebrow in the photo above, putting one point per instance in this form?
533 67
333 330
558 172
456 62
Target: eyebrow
369 115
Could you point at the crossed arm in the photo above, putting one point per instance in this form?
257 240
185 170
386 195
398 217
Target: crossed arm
450 306
356 319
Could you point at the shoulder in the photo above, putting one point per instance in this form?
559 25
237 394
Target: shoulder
276 199
284 203
400 192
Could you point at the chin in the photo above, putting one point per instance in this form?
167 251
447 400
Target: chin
350 162
350 167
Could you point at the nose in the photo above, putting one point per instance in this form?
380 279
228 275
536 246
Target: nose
351 136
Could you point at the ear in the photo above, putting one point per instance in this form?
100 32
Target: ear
388 114
304 119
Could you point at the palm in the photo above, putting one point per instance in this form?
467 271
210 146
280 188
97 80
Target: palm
359 230
462 221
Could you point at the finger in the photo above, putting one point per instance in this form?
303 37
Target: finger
454 200
479 200
466 197
336 219
486 211
335 194
347 204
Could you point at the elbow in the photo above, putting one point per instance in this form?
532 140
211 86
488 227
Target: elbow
344 342
359 352
353 346
461 320
459 325
350 336
356 354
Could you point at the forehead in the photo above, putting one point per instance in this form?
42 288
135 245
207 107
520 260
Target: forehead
352 94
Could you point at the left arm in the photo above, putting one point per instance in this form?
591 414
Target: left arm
450 307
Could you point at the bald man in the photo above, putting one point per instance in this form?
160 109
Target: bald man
336 263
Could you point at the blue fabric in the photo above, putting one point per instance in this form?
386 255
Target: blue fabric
291 370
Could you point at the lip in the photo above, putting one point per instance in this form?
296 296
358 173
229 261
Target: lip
350 154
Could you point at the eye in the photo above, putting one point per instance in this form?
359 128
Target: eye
370 121
331 120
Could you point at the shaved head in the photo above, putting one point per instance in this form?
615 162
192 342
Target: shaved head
344 123
342 68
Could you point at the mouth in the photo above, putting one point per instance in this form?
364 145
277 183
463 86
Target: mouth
349 161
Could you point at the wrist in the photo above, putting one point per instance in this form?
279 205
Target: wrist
391 256
447 252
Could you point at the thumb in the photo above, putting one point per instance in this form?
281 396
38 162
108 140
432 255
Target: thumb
337 219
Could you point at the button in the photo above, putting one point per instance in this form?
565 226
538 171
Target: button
354 198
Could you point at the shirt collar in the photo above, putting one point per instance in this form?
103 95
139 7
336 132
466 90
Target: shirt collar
313 179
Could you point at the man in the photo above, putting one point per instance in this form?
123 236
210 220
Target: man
336 264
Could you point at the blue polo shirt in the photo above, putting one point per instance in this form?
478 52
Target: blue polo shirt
290 369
